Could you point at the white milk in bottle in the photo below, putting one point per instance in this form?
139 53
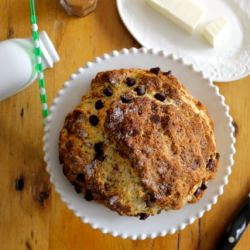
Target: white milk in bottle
17 63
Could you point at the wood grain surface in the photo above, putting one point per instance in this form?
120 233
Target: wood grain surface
34 217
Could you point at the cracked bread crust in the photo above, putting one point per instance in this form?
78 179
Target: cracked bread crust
139 143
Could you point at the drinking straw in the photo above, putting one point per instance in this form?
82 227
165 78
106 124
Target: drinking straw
38 58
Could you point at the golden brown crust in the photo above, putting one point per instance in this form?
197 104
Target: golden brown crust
149 147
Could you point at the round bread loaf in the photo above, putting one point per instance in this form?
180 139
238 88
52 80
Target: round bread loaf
139 143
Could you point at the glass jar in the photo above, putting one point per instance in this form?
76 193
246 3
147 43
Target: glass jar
79 7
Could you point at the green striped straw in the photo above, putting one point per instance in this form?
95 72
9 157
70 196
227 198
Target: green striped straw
38 57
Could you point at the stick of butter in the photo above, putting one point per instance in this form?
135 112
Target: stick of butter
184 13
214 30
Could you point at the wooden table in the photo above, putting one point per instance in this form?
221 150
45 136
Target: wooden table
35 218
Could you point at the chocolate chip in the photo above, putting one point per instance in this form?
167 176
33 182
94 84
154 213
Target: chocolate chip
10 33
108 91
99 104
93 119
80 177
211 164
217 156
65 170
19 183
130 81
236 128
159 96
167 73
143 216
98 148
42 197
159 211
105 77
22 112
100 157
140 90
197 192
77 187
155 70
28 245
110 78
88 195
200 189
99 151
125 99
203 186
61 158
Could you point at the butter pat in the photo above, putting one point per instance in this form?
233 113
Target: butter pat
184 13
214 31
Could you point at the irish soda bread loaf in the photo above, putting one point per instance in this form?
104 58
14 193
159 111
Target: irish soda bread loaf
139 143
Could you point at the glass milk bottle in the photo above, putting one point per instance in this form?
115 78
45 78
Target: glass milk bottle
17 63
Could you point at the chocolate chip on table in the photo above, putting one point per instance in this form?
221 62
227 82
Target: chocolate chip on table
130 81
42 197
108 91
143 216
22 112
28 245
88 195
80 177
236 128
94 120
159 96
217 156
99 104
140 90
167 73
19 183
155 70
125 99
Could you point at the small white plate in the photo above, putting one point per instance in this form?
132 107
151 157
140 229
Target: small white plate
98 215
227 62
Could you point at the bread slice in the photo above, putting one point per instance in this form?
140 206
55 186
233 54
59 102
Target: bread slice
139 143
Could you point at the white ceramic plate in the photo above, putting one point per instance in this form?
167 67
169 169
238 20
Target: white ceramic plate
229 61
101 217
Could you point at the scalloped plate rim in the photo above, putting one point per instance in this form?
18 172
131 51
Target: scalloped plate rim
161 233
